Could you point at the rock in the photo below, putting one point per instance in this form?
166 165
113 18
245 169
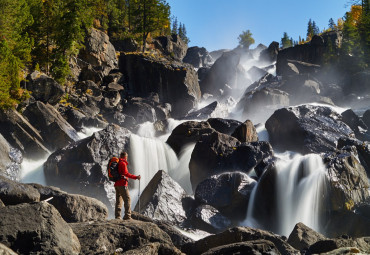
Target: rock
294 67
302 237
223 75
22 135
53 127
121 119
216 153
198 57
358 84
209 219
99 51
366 118
73 207
237 235
246 132
44 88
5 250
226 126
353 121
78 120
140 111
171 45
89 73
125 45
270 54
363 150
249 247
81 167
347 180
107 236
1 204
36 228
89 87
320 247
187 132
306 129
162 199
202 72
256 73
216 54
201 114
13 193
228 192
154 248
176 83
10 160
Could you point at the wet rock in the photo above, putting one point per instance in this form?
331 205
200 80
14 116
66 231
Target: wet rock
226 126
162 199
203 113
81 167
330 245
99 51
202 72
216 153
355 123
172 45
256 73
347 180
237 235
228 192
36 228
79 120
249 247
366 118
187 132
302 237
176 83
22 135
198 57
108 236
13 193
306 129
270 54
5 250
246 132
154 248
44 88
10 160
73 207
53 127
209 219
363 150
121 119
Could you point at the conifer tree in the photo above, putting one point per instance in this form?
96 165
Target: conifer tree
310 30
174 28
286 41
331 24
246 39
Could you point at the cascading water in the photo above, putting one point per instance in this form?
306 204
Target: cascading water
300 185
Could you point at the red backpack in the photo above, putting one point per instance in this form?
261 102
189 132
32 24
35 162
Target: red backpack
113 173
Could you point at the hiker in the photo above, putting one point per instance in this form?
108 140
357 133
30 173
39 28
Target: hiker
121 187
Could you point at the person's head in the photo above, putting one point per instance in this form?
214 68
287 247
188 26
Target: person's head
123 155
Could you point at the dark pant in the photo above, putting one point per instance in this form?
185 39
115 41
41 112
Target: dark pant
122 194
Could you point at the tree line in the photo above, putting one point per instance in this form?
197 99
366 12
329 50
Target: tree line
44 34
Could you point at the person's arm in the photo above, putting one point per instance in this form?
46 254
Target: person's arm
122 169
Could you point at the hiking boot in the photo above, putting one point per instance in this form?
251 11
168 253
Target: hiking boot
127 218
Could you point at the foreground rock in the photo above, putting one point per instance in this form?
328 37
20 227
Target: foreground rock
10 160
248 247
340 245
162 199
237 235
73 207
108 236
209 219
36 229
306 129
81 167
6 251
13 193
302 237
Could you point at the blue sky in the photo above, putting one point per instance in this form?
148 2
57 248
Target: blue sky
216 24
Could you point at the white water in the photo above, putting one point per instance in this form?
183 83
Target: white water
300 187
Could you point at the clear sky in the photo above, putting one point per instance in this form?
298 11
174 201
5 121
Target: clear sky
216 24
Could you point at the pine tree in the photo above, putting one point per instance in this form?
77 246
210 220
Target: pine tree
286 41
246 39
174 28
315 28
183 34
331 24
310 30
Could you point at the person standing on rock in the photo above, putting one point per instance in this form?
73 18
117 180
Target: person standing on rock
121 187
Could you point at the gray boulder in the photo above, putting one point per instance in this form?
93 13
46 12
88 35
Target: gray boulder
246 132
363 150
209 219
36 228
162 199
255 247
10 160
198 57
270 54
73 207
13 193
332 246
44 88
125 45
366 117
201 114
172 45
53 127
302 237
154 248
226 126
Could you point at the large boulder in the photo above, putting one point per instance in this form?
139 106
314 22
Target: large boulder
270 54
36 228
363 150
154 248
99 51
366 117
356 124
162 199
306 129
226 126
198 57
54 129
216 153
81 167
358 245
204 113
302 237
237 235
22 135
187 132
10 160
227 192
73 207
125 45
246 132
13 193
176 83
209 219
44 88
106 237
172 45
255 247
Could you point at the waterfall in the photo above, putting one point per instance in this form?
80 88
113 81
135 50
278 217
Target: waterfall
300 185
